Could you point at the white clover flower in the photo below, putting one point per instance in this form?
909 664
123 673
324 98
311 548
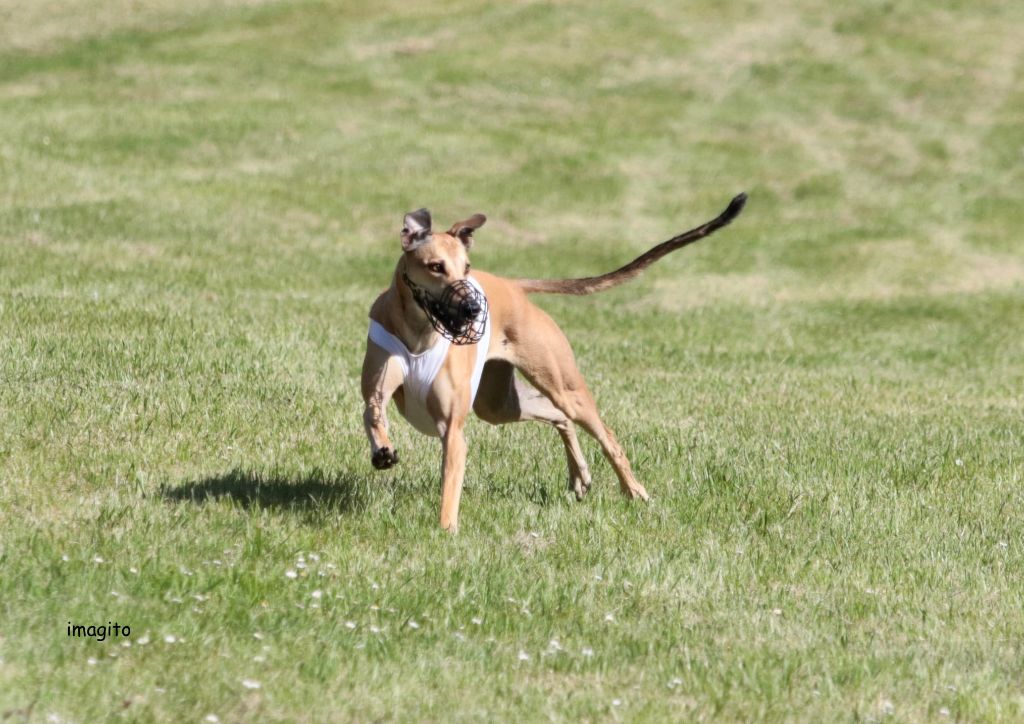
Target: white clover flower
212 718
317 594
523 656
290 573
251 684
169 638
91 661
412 624
350 625
609 617
616 702
587 651
477 621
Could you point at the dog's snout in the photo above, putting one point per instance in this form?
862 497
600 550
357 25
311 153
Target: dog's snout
472 308
458 313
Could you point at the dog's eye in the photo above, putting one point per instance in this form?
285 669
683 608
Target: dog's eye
437 267
467 269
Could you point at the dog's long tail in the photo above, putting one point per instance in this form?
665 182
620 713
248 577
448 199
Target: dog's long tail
589 285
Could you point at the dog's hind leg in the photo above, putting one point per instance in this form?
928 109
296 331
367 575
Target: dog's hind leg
381 379
547 361
503 398
589 418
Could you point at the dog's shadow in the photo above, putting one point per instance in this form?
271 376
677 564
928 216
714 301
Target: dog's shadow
316 491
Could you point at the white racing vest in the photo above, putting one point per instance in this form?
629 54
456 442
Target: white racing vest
420 370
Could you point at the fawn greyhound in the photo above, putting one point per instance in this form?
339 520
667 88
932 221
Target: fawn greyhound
442 342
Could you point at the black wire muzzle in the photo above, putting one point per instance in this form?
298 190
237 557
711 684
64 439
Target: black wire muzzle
459 314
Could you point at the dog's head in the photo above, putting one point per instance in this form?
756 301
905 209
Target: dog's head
435 269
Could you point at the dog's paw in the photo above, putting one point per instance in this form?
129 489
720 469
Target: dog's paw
637 493
384 458
579 487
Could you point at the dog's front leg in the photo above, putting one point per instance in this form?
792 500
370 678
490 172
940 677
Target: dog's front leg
381 377
453 469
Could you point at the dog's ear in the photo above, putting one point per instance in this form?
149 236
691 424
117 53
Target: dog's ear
464 229
415 229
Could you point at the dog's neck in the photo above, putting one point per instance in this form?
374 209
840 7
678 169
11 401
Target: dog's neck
407 320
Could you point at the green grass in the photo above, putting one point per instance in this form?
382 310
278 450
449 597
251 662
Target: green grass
198 201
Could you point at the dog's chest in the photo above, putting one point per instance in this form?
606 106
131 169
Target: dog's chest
420 372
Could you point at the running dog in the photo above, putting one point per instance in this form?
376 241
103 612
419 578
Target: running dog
442 342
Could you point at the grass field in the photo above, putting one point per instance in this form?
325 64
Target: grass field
198 201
